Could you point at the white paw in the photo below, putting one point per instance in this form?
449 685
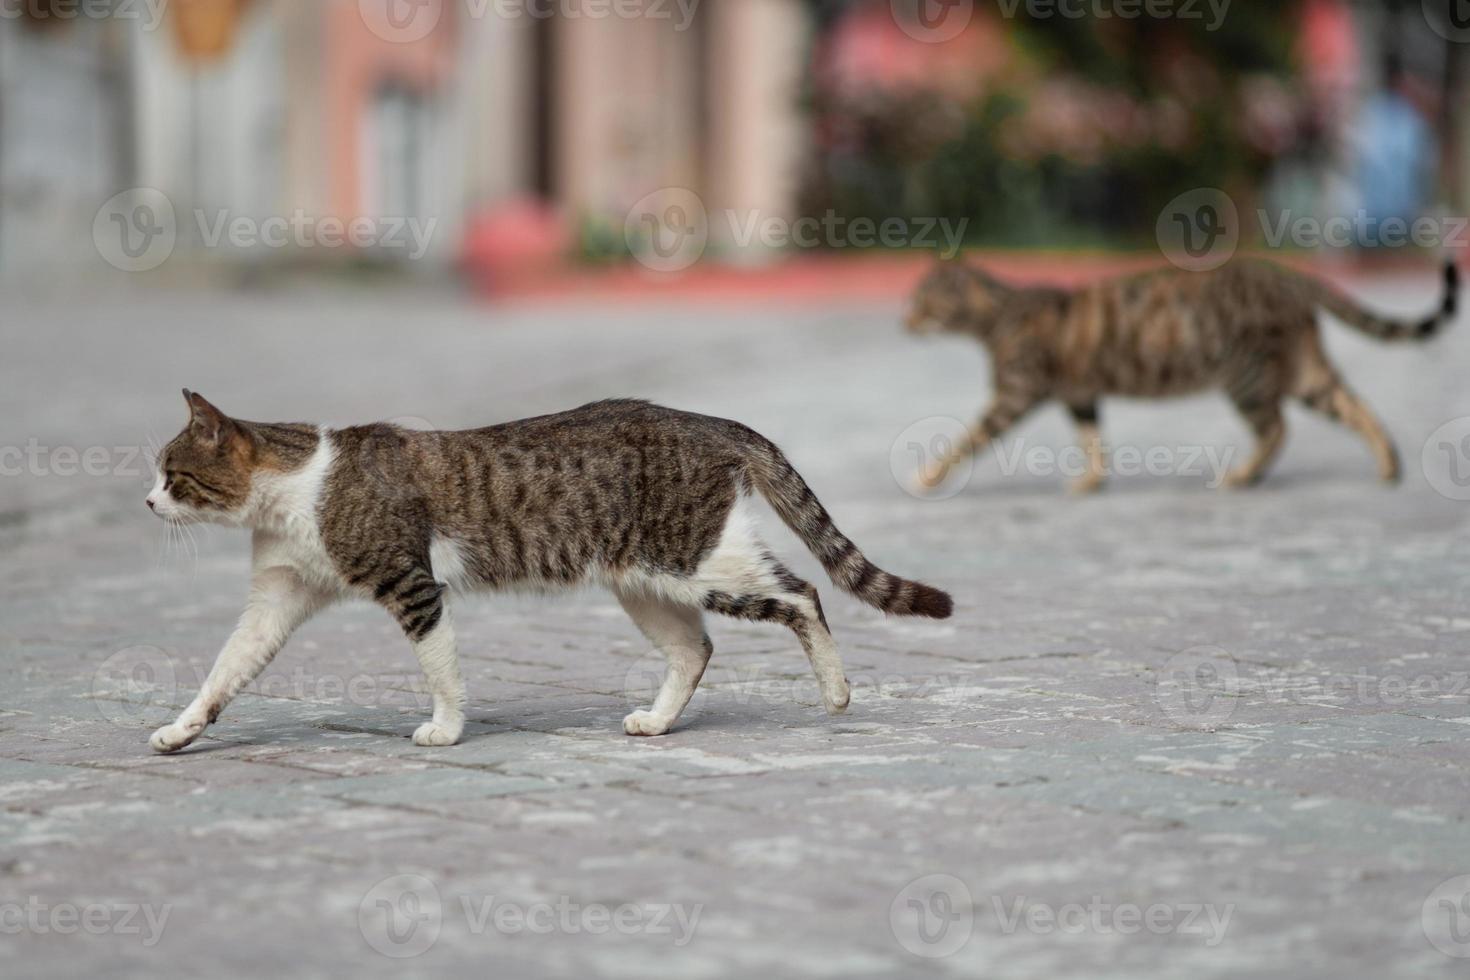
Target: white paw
645 723
435 733
171 738
838 705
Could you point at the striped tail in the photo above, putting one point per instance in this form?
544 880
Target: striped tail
794 502
1384 328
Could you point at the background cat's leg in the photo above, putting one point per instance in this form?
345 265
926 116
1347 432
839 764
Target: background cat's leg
677 631
1257 391
1340 403
1086 417
417 602
1009 407
1269 426
279 602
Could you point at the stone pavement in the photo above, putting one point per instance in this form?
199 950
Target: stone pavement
1171 731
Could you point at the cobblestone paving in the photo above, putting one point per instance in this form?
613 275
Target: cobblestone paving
1171 731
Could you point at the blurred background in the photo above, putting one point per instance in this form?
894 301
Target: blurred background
509 144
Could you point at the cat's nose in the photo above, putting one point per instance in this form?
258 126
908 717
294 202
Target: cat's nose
152 505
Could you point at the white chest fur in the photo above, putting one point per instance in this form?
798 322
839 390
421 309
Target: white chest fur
283 509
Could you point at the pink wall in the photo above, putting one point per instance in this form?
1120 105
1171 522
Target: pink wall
357 62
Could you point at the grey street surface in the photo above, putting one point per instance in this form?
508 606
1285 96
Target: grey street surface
1171 731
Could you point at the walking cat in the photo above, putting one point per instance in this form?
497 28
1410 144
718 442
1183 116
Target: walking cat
647 501
1249 327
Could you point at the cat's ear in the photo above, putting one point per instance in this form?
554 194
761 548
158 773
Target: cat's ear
206 420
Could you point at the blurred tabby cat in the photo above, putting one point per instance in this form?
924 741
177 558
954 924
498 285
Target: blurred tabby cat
647 501
1249 328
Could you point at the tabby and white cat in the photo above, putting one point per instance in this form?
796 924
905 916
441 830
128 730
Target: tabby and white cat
647 501
1249 328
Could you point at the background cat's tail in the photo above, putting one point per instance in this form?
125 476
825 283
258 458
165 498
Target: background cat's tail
1385 328
777 480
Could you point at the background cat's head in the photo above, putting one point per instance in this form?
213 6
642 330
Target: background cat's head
204 473
952 297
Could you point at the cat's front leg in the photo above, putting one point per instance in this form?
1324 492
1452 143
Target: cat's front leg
1011 404
416 600
279 602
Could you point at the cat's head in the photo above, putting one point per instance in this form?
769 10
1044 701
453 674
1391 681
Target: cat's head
952 297
204 473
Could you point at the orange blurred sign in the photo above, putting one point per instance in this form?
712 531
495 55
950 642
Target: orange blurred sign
205 29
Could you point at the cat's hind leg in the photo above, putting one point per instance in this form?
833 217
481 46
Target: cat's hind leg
741 578
1320 389
1257 393
677 631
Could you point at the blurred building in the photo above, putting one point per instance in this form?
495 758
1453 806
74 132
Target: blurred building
65 141
259 108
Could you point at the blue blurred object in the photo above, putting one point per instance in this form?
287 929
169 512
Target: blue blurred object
1395 161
